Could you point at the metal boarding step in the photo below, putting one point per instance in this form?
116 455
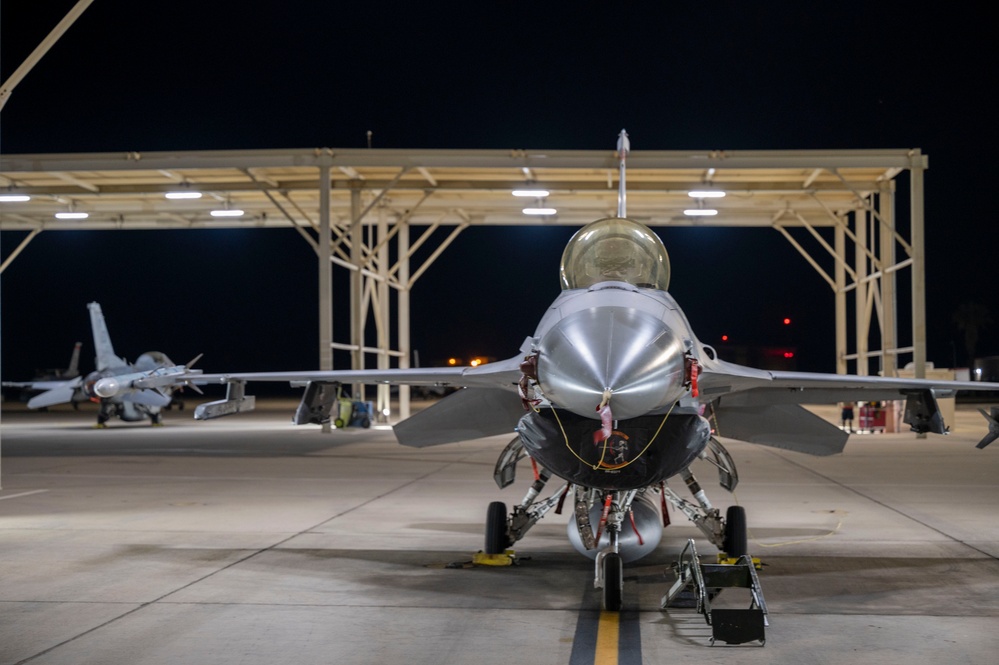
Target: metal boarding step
698 583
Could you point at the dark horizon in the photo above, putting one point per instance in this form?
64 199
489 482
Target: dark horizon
131 78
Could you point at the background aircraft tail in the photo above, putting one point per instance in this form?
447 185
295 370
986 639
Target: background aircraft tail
105 356
74 361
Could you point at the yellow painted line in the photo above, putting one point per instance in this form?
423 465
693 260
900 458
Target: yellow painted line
607 639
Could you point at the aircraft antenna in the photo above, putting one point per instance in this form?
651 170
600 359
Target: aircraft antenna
623 147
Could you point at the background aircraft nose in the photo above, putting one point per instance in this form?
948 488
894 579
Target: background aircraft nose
630 352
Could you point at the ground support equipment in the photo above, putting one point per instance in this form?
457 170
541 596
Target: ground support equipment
698 583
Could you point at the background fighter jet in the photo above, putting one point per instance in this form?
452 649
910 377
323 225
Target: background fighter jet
49 376
130 391
615 395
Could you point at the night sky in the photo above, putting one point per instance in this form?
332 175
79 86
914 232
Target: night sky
138 76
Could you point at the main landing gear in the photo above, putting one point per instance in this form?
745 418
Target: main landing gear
497 539
613 526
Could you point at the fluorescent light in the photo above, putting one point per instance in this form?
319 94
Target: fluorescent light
72 215
701 212
228 212
183 195
537 193
539 211
14 198
706 194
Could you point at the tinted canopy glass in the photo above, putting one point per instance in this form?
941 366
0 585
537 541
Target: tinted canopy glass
615 250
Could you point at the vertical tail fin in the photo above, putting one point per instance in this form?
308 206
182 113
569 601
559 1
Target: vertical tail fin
74 361
105 356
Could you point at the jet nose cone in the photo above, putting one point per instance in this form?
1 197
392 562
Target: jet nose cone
107 387
629 352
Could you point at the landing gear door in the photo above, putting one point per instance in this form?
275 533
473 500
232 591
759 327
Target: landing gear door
317 401
728 477
922 413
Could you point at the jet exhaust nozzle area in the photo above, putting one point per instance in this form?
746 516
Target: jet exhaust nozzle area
623 356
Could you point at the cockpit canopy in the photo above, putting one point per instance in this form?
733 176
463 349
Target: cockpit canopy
615 249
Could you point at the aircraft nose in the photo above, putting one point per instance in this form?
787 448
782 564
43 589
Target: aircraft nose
107 387
628 352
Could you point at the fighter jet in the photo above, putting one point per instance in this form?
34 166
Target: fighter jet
614 395
130 391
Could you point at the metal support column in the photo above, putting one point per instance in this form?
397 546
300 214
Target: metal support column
383 321
889 319
356 236
839 240
403 313
918 240
325 251
860 292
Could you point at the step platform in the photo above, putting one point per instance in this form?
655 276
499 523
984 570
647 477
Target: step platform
698 584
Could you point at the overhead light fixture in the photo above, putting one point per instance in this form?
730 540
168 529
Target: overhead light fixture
700 212
183 195
539 211
706 194
72 215
536 192
226 211
14 198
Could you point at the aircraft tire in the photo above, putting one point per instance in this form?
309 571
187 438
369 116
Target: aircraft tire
497 539
613 596
736 539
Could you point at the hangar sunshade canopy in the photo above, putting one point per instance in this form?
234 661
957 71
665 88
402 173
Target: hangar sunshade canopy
282 187
366 200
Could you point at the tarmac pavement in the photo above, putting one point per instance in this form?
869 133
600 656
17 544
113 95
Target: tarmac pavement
249 540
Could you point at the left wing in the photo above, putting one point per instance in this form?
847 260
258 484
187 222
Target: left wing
761 405
50 392
760 387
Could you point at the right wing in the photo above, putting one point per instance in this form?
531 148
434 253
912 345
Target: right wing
489 405
505 373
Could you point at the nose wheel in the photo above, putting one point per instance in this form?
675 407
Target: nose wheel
612 571
736 541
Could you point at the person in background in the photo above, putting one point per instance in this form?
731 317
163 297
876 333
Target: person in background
846 416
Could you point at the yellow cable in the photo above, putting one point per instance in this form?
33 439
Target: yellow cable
597 466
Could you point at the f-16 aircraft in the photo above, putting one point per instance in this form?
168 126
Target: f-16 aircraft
614 395
130 391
